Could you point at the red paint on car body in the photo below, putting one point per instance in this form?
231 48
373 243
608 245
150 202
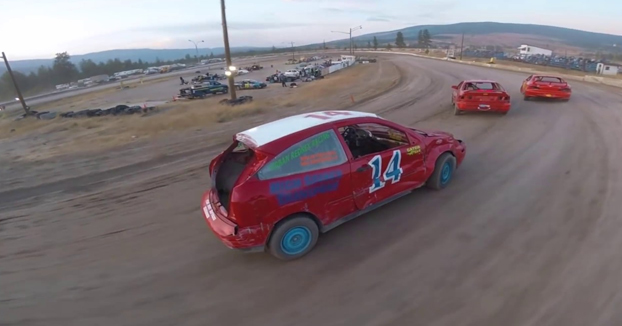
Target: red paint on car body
248 197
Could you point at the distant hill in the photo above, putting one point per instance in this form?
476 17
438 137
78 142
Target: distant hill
491 33
146 55
480 33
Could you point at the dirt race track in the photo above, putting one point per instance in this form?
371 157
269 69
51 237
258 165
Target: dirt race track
528 233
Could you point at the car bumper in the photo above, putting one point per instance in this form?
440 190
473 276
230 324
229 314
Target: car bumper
484 107
459 151
547 94
244 239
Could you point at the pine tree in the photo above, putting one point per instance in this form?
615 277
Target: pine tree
420 38
427 38
375 42
399 40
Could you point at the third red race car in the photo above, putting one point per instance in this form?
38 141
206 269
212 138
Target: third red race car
538 86
480 95
282 183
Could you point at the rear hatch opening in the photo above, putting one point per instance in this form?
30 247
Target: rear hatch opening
227 172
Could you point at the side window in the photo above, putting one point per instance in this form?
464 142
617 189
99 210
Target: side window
370 138
529 78
316 152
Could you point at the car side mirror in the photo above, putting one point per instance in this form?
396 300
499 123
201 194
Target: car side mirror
454 87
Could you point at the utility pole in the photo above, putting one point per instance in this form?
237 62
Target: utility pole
461 45
196 48
349 33
19 93
293 51
225 35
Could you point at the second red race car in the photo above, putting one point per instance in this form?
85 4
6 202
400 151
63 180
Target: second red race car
480 96
281 184
538 86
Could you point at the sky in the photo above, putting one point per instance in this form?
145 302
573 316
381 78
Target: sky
41 28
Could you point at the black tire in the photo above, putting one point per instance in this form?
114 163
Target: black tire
302 233
527 98
443 172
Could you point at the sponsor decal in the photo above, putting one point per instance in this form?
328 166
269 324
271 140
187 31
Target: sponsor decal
319 158
413 150
294 154
305 187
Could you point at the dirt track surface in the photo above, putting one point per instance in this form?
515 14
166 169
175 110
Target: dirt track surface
528 233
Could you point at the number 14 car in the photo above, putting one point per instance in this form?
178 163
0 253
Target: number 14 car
281 184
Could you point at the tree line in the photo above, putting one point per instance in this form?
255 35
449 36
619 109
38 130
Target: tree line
63 71
424 40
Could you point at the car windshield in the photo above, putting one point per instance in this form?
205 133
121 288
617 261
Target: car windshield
483 86
549 80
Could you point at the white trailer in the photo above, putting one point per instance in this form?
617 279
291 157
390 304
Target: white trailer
99 79
527 50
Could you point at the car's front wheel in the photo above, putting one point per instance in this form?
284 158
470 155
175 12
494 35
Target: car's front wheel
443 172
293 238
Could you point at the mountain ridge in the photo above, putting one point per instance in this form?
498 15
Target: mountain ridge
522 33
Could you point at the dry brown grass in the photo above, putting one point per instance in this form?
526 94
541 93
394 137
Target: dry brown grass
94 134
94 99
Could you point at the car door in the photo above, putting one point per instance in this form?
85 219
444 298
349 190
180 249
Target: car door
379 176
311 175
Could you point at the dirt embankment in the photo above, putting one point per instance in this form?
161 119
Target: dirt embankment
39 155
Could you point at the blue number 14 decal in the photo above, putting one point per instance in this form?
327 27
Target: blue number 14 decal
393 172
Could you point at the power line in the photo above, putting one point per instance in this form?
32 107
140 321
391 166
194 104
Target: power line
352 29
196 47
293 50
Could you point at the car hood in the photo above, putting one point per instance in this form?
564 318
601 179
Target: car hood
433 133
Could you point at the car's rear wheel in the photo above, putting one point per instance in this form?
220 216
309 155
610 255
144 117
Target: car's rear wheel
457 111
293 238
443 172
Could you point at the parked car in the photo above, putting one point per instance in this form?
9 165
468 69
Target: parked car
250 84
206 88
280 184
292 73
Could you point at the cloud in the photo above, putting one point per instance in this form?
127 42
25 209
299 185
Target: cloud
381 18
217 27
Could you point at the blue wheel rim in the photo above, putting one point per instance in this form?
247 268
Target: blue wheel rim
296 240
445 173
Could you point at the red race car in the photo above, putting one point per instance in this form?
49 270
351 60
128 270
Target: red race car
480 95
282 183
545 86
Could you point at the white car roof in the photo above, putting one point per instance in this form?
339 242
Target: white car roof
277 129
